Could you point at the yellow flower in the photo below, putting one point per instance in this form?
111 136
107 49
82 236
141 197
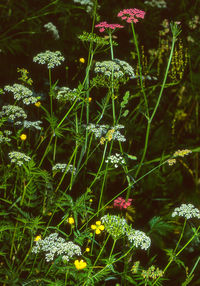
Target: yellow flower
80 264
109 134
37 104
82 60
98 227
87 249
38 237
91 200
102 140
23 137
89 99
70 220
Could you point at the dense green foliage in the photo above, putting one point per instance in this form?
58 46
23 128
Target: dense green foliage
99 143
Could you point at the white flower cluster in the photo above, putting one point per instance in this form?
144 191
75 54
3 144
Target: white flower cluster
88 3
13 112
18 158
65 93
52 59
50 27
138 238
98 130
62 168
194 22
156 3
53 245
117 134
21 92
32 124
111 132
118 67
114 225
4 136
187 211
117 227
115 160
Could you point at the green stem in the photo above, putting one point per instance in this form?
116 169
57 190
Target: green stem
102 248
67 113
120 258
63 176
140 69
183 229
104 180
102 161
113 246
171 260
50 93
46 151
112 77
155 108
124 190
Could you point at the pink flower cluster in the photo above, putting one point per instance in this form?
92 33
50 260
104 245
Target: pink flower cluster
121 203
104 25
131 15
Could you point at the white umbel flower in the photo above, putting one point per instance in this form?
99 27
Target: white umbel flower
138 238
53 246
186 211
51 59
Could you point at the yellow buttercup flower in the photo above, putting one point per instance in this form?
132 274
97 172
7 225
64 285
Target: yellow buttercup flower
82 60
38 237
80 264
23 137
38 103
70 220
98 227
87 249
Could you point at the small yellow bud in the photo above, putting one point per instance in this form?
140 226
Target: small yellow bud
70 220
82 60
87 249
23 137
102 140
91 200
38 237
37 104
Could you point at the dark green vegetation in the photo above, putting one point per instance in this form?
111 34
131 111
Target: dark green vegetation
139 87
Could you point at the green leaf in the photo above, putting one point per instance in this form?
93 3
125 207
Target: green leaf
132 157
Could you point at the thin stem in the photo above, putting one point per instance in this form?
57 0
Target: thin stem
140 69
102 161
155 108
74 103
183 229
104 179
124 190
102 248
50 93
112 77
113 246
171 260
46 151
